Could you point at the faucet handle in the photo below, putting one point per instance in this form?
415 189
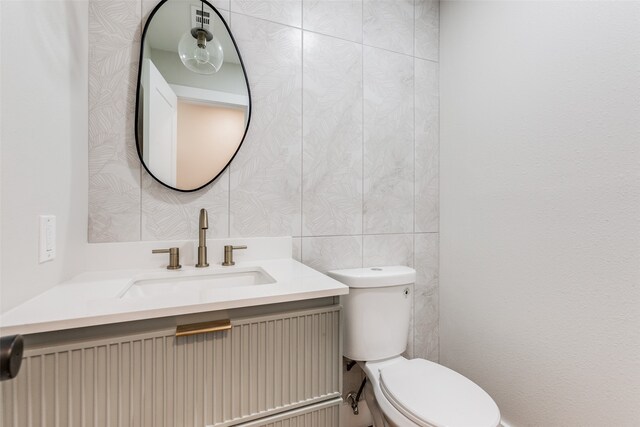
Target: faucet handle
228 254
174 257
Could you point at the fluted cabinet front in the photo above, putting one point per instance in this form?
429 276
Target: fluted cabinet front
325 414
260 367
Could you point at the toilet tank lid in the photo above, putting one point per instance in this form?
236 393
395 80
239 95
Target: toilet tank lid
375 277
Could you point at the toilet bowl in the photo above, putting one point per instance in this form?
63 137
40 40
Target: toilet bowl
421 393
402 392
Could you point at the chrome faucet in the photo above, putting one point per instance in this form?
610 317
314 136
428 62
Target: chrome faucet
202 239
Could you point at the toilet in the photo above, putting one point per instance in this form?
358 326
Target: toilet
401 392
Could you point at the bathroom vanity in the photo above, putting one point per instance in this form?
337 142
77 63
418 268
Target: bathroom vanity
266 354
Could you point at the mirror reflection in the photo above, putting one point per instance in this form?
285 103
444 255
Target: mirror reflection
193 102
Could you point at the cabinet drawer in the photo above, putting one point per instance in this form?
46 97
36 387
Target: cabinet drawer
261 366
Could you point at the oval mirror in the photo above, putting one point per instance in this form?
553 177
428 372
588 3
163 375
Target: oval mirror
193 104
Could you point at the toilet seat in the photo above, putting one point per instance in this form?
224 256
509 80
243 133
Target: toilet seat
431 395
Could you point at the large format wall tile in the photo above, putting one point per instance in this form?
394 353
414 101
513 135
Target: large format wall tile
266 173
287 12
388 24
427 31
367 168
296 249
409 353
114 204
426 315
332 136
426 146
114 170
387 249
168 214
332 253
388 142
338 18
426 261
426 252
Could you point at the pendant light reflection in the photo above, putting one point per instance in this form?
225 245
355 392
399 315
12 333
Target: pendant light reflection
199 50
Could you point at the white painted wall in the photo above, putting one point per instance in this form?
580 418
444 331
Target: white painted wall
1 156
44 61
230 78
540 207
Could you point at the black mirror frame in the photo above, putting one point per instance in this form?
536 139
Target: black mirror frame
136 124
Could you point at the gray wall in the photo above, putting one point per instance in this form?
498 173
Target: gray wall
342 152
44 142
540 200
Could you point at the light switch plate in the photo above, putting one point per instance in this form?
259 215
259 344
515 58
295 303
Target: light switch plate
47 238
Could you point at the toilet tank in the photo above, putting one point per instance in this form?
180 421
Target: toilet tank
376 311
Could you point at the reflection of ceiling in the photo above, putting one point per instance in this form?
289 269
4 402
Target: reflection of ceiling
173 19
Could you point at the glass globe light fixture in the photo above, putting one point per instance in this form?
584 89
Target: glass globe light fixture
200 51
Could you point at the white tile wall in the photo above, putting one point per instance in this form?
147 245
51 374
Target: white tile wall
427 29
388 249
388 24
426 308
332 253
114 169
388 142
265 196
338 18
172 215
332 136
427 212
288 12
342 152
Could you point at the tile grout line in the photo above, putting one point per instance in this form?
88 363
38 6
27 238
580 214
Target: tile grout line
438 169
415 145
319 236
230 164
362 181
301 128
413 306
302 134
333 36
414 121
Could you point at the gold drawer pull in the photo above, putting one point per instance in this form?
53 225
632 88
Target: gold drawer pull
203 328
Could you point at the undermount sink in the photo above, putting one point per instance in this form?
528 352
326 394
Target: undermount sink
195 282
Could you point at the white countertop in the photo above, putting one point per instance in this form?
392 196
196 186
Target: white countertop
92 298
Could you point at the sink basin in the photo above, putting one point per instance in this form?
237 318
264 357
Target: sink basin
196 282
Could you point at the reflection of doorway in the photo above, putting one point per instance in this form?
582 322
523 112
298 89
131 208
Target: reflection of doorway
211 124
160 133
208 136
189 134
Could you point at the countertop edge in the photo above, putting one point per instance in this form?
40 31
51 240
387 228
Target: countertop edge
74 323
